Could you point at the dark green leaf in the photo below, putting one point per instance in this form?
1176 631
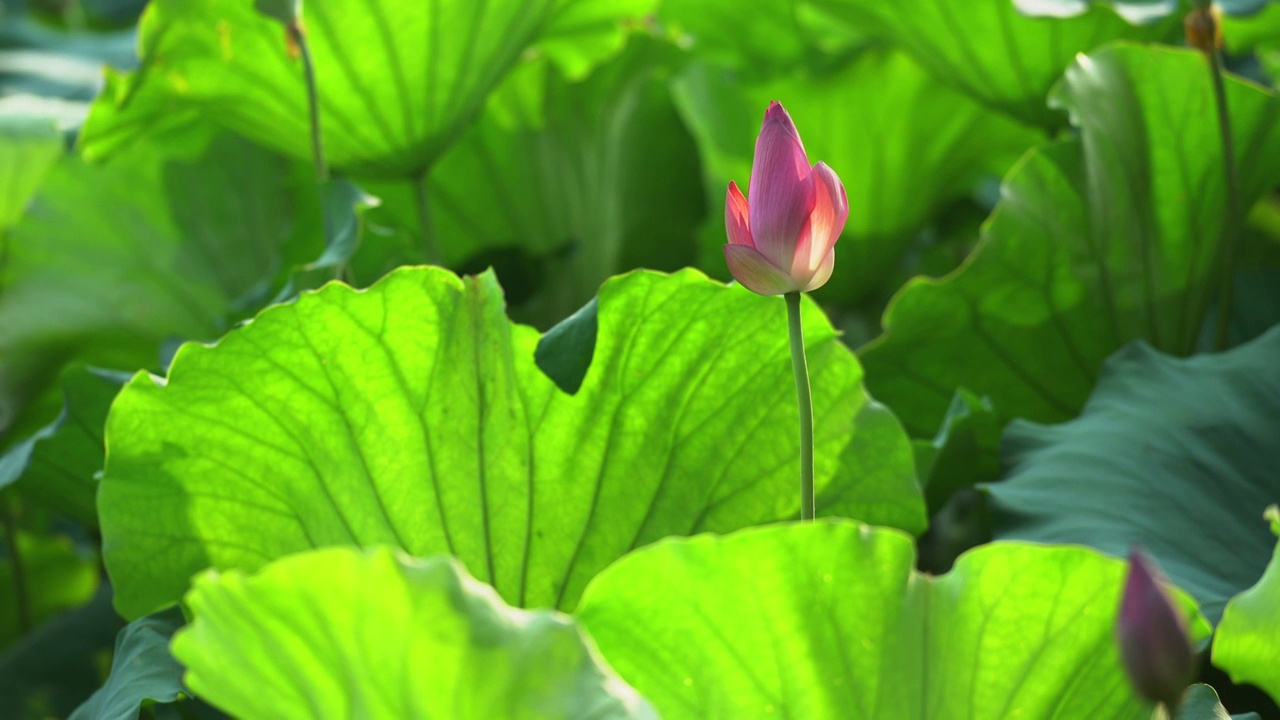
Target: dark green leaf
564 353
57 465
142 670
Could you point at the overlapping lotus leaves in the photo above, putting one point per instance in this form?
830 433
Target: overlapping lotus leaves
991 51
388 636
397 81
1247 642
830 620
1098 241
1174 455
413 414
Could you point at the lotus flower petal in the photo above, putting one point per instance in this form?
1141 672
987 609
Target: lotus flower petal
755 271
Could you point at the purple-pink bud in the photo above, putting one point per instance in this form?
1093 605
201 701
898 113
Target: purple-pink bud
1154 645
783 238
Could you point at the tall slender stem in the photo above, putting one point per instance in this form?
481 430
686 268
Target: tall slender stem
299 38
14 551
430 252
804 399
1204 34
1231 223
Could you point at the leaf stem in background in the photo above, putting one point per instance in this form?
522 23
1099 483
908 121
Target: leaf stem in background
429 250
1203 33
299 38
804 399
14 552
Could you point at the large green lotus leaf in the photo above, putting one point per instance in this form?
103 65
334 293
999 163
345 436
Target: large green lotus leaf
413 414
111 260
1097 241
919 145
1247 643
570 195
1135 11
397 81
1174 455
991 51
830 620
56 577
387 636
142 671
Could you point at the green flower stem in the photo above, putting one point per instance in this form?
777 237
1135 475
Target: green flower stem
430 253
299 38
804 398
21 599
1202 33
1231 223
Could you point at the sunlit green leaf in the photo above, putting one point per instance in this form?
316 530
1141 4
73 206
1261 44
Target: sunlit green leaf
387 636
413 414
830 620
990 50
1098 241
397 81
1247 643
1174 455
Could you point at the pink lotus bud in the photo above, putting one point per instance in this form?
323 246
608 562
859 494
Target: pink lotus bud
1152 633
783 239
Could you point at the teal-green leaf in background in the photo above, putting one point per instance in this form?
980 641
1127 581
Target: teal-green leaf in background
989 50
1097 241
397 82
1247 642
142 670
902 143
1201 702
387 636
57 464
167 241
830 621
1174 455
413 414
